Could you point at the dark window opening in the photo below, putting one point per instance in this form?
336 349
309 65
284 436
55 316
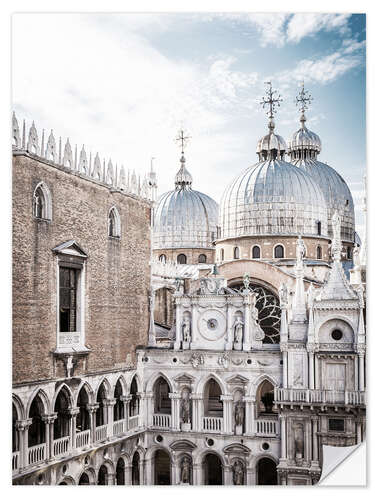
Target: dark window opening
256 252
336 334
202 259
163 258
181 258
279 252
319 227
318 252
68 299
336 424
236 253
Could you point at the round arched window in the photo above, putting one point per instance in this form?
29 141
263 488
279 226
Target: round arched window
202 259
279 252
318 252
236 253
256 252
163 258
336 334
181 258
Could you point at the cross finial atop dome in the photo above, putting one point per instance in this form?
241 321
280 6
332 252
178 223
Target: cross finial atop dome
272 100
303 99
183 139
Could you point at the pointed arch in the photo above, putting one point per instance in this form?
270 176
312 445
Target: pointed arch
124 385
69 394
258 381
43 398
42 202
114 223
89 392
151 382
107 388
20 409
202 383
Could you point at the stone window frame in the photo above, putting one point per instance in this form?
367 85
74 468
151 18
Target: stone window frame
71 255
117 223
47 207
274 251
252 251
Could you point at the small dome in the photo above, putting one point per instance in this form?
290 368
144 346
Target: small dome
305 139
184 218
271 143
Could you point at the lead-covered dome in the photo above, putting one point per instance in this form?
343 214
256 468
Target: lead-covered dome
336 193
184 218
273 197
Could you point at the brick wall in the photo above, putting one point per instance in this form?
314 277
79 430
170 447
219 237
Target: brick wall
117 271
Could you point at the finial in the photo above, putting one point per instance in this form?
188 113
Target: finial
152 164
183 140
303 99
272 100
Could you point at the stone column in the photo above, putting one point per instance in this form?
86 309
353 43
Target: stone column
311 370
250 476
285 369
177 343
142 471
227 475
307 456
111 478
175 420
227 414
359 431
249 415
197 411
193 332
22 427
361 371
91 408
315 456
283 437
126 400
174 474
229 341
109 405
246 337
128 474
48 420
73 411
198 474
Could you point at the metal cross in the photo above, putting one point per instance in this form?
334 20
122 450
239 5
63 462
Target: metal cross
303 99
183 139
272 100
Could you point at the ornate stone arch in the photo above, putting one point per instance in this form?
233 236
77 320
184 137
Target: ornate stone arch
199 454
67 479
254 458
107 387
109 464
150 453
124 385
126 458
16 400
44 399
135 377
57 392
90 472
253 388
151 382
89 391
202 383
339 322
46 209
141 452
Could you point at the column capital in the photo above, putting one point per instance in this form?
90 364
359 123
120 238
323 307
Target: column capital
21 425
109 402
92 407
196 396
73 410
226 397
174 395
49 419
127 398
249 399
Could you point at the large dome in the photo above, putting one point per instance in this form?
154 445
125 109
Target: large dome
335 190
184 218
273 197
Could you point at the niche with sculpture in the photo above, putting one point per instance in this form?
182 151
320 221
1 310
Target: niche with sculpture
186 330
239 412
238 331
185 470
185 410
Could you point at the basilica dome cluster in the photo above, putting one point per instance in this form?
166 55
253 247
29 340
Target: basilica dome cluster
276 197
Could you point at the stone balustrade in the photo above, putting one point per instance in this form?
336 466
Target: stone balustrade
37 454
83 438
61 446
119 427
161 421
101 433
319 396
267 427
212 424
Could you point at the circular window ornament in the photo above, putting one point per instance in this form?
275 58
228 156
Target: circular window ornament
336 334
265 446
212 324
210 442
159 438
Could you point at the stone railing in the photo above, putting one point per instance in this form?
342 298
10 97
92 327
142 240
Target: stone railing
15 460
212 424
37 454
101 432
161 421
267 427
83 438
119 427
61 446
320 396
133 422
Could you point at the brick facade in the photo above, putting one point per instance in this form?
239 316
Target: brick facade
117 275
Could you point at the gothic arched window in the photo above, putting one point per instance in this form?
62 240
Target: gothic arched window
42 206
181 258
279 252
114 225
163 258
256 252
318 252
202 259
236 253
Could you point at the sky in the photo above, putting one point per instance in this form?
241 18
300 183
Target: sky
124 84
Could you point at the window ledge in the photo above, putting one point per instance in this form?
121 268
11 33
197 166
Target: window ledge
79 349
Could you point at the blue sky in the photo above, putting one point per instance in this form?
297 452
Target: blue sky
124 84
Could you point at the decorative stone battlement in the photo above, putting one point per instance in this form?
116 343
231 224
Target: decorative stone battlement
83 163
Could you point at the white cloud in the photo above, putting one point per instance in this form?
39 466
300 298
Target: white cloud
302 25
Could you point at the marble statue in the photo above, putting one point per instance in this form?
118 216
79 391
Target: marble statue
238 330
239 413
185 470
298 441
356 257
238 475
283 295
185 408
186 330
300 249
